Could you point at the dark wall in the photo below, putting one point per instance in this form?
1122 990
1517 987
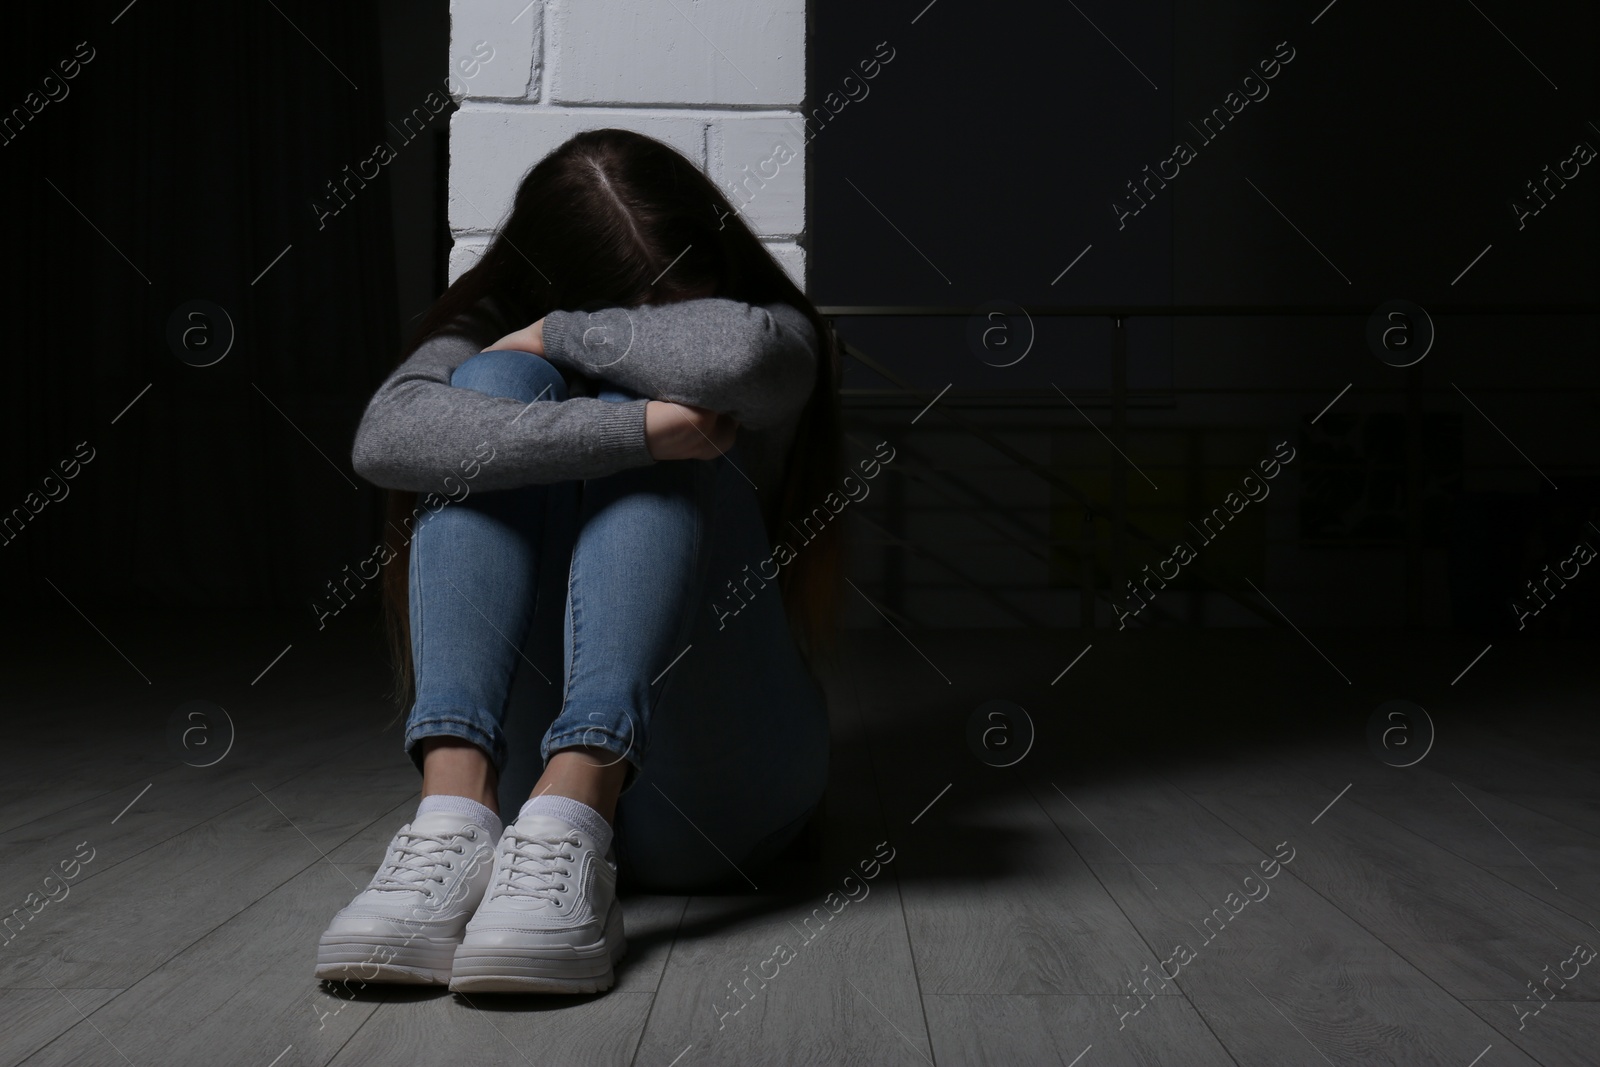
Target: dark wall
188 159
1382 157
1394 138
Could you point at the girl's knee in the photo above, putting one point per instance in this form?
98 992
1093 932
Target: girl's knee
517 375
615 393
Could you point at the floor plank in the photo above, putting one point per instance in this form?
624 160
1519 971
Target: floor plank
505 1031
1482 826
1021 904
966 830
1007 1030
1469 931
1286 949
1561 1035
35 1017
240 992
842 989
139 912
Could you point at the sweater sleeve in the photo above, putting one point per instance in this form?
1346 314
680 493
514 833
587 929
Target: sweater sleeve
756 363
421 433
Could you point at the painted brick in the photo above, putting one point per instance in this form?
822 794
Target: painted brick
719 89
492 148
464 254
494 48
792 258
759 163
733 52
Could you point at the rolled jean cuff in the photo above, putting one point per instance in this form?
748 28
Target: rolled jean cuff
596 736
458 725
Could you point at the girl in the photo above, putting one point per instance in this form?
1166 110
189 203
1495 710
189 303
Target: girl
628 390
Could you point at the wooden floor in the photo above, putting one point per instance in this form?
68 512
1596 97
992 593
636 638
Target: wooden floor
1023 908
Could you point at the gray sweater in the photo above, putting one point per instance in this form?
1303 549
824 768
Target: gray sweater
755 363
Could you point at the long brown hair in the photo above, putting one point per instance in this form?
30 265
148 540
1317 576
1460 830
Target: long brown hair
596 223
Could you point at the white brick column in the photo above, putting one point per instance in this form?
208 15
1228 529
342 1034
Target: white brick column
720 80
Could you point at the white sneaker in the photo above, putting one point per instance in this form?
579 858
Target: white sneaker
551 922
405 925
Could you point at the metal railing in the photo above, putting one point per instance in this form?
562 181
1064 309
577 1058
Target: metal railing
1094 581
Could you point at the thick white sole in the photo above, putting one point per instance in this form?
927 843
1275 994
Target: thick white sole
401 960
574 969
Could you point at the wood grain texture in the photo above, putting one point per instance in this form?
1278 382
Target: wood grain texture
239 991
1472 933
156 899
36 1017
1483 826
1010 1030
996 899
499 1031
1141 818
1562 1035
1021 902
1287 950
843 989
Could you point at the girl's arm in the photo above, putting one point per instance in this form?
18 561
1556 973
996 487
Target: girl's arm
421 433
754 363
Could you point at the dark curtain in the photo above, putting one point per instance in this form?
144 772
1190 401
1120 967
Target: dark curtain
183 162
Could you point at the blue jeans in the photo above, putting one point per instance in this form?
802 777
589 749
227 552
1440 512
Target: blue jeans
724 730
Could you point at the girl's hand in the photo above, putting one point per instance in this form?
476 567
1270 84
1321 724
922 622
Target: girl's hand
527 339
682 431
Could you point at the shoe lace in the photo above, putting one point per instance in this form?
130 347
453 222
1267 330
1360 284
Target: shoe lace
530 869
417 860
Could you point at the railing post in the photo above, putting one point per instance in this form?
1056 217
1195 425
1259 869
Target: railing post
1415 413
894 557
1119 466
1088 549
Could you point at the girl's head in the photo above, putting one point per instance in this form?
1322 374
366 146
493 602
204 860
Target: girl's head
635 224
613 218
